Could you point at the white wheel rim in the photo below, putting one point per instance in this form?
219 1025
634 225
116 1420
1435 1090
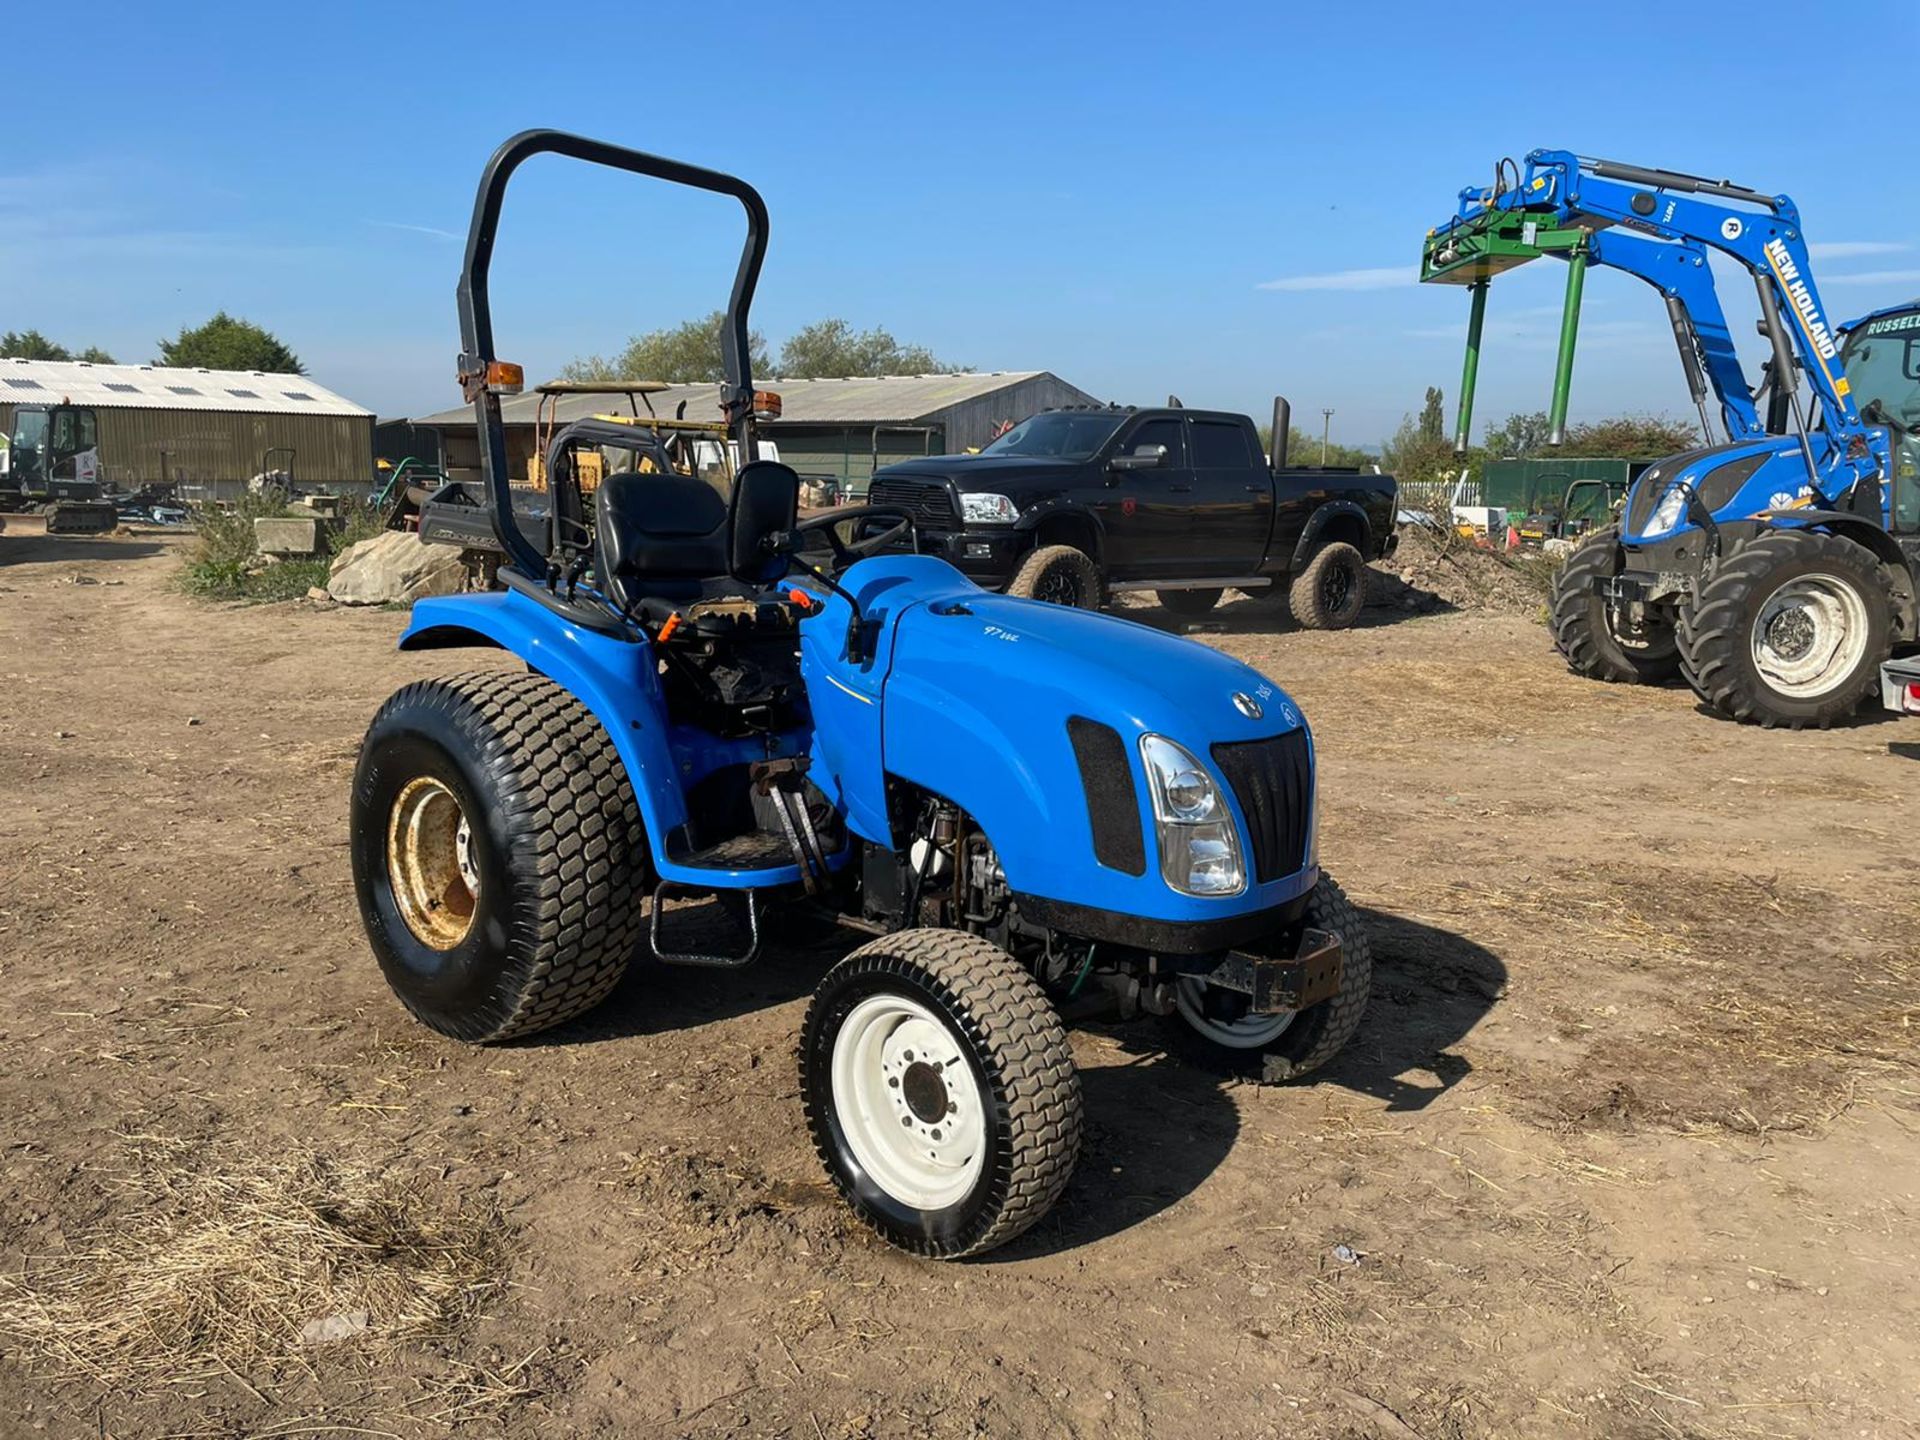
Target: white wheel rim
908 1103
1249 1032
1810 635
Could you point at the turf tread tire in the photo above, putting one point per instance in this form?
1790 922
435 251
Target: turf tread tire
1012 1027
563 823
1320 1032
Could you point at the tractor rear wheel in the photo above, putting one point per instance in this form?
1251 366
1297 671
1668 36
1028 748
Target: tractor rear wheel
1583 627
498 852
1188 604
940 1091
1060 575
1331 589
1215 1028
1789 630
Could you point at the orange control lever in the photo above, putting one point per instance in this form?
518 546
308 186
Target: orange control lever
673 624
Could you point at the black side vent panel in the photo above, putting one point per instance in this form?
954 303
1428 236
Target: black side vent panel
1273 781
1113 799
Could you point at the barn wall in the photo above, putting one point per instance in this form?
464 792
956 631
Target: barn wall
222 450
972 423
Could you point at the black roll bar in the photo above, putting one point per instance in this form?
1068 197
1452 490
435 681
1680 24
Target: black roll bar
476 310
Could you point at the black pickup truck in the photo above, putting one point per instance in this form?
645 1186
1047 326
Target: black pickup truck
1073 505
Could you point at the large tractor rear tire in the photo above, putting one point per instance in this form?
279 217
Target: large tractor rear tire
1583 628
498 852
1789 630
1059 575
940 1091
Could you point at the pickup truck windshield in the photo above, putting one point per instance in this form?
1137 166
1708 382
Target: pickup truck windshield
1059 437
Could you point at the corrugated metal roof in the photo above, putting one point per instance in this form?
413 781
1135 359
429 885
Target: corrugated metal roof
862 400
163 387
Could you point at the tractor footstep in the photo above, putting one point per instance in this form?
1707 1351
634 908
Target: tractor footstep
721 933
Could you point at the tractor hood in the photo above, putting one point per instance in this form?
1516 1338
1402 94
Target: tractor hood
1735 482
1029 717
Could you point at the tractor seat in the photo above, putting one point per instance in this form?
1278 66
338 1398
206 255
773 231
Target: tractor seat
673 541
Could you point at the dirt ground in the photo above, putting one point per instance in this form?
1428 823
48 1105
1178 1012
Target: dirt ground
1629 1145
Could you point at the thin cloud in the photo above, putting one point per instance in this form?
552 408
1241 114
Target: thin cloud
1854 249
1872 277
1387 277
432 230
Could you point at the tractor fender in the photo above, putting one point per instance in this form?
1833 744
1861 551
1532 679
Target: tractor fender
1343 518
614 678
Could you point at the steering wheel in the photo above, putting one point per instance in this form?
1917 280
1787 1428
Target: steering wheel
845 552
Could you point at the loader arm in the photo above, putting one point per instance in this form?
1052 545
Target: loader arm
1568 204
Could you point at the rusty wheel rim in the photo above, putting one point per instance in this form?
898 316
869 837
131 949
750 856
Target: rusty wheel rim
430 863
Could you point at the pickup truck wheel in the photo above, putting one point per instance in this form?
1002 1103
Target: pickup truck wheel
1276 1048
498 854
1189 603
1059 575
1331 589
1583 628
940 1091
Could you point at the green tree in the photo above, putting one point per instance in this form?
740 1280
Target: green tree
684 355
1632 437
1518 436
31 345
1433 419
833 348
1420 452
227 342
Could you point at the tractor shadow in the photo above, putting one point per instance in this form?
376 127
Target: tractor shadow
1158 1125
654 998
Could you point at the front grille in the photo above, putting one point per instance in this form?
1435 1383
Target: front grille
929 501
1273 781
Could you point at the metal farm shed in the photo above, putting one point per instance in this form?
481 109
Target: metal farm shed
841 428
207 430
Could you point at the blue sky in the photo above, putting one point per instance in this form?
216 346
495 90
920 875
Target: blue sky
1221 201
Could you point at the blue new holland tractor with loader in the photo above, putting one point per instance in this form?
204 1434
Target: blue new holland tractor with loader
1026 810
1778 569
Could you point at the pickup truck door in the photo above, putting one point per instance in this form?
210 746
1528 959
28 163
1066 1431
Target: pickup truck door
1233 496
1147 513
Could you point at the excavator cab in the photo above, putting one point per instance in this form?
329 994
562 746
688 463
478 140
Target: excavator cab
54 466
55 452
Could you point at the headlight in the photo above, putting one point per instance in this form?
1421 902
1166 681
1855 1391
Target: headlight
1199 844
988 510
1672 506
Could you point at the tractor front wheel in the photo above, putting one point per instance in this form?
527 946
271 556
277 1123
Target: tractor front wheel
1584 628
940 1091
1215 1027
498 852
1789 630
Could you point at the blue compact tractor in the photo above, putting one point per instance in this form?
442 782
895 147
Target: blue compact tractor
735 725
